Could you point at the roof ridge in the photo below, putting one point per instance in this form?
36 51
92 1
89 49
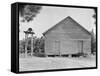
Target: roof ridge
68 17
80 25
55 25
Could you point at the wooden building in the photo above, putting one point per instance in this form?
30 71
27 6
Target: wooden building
67 38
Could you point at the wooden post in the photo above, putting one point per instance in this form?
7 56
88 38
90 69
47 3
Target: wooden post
32 45
26 36
29 31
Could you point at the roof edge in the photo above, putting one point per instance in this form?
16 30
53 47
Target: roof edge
63 20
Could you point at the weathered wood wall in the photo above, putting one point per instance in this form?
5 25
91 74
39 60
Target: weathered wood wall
68 34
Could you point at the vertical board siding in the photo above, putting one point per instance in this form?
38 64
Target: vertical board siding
87 46
69 47
68 33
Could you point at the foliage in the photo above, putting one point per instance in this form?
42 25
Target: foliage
38 45
28 12
93 43
21 47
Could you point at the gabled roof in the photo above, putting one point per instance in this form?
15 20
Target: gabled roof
67 18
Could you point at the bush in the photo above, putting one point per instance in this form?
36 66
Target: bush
39 54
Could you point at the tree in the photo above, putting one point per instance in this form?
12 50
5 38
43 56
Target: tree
28 12
93 42
93 36
42 44
94 16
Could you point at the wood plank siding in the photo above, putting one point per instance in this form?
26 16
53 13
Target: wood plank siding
67 37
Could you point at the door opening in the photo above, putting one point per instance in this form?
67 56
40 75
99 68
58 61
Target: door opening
57 47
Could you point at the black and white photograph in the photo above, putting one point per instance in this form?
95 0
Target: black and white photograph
56 37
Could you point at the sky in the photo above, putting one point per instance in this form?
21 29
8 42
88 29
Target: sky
50 15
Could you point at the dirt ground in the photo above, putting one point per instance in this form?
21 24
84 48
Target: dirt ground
45 63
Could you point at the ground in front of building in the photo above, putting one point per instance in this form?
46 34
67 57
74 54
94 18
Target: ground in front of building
47 63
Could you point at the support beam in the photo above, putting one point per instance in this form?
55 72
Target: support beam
26 43
32 45
29 31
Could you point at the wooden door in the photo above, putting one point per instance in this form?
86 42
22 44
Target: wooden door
57 47
80 46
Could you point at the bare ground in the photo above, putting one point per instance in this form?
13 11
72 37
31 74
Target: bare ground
37 63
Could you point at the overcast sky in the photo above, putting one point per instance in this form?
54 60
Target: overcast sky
49 16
